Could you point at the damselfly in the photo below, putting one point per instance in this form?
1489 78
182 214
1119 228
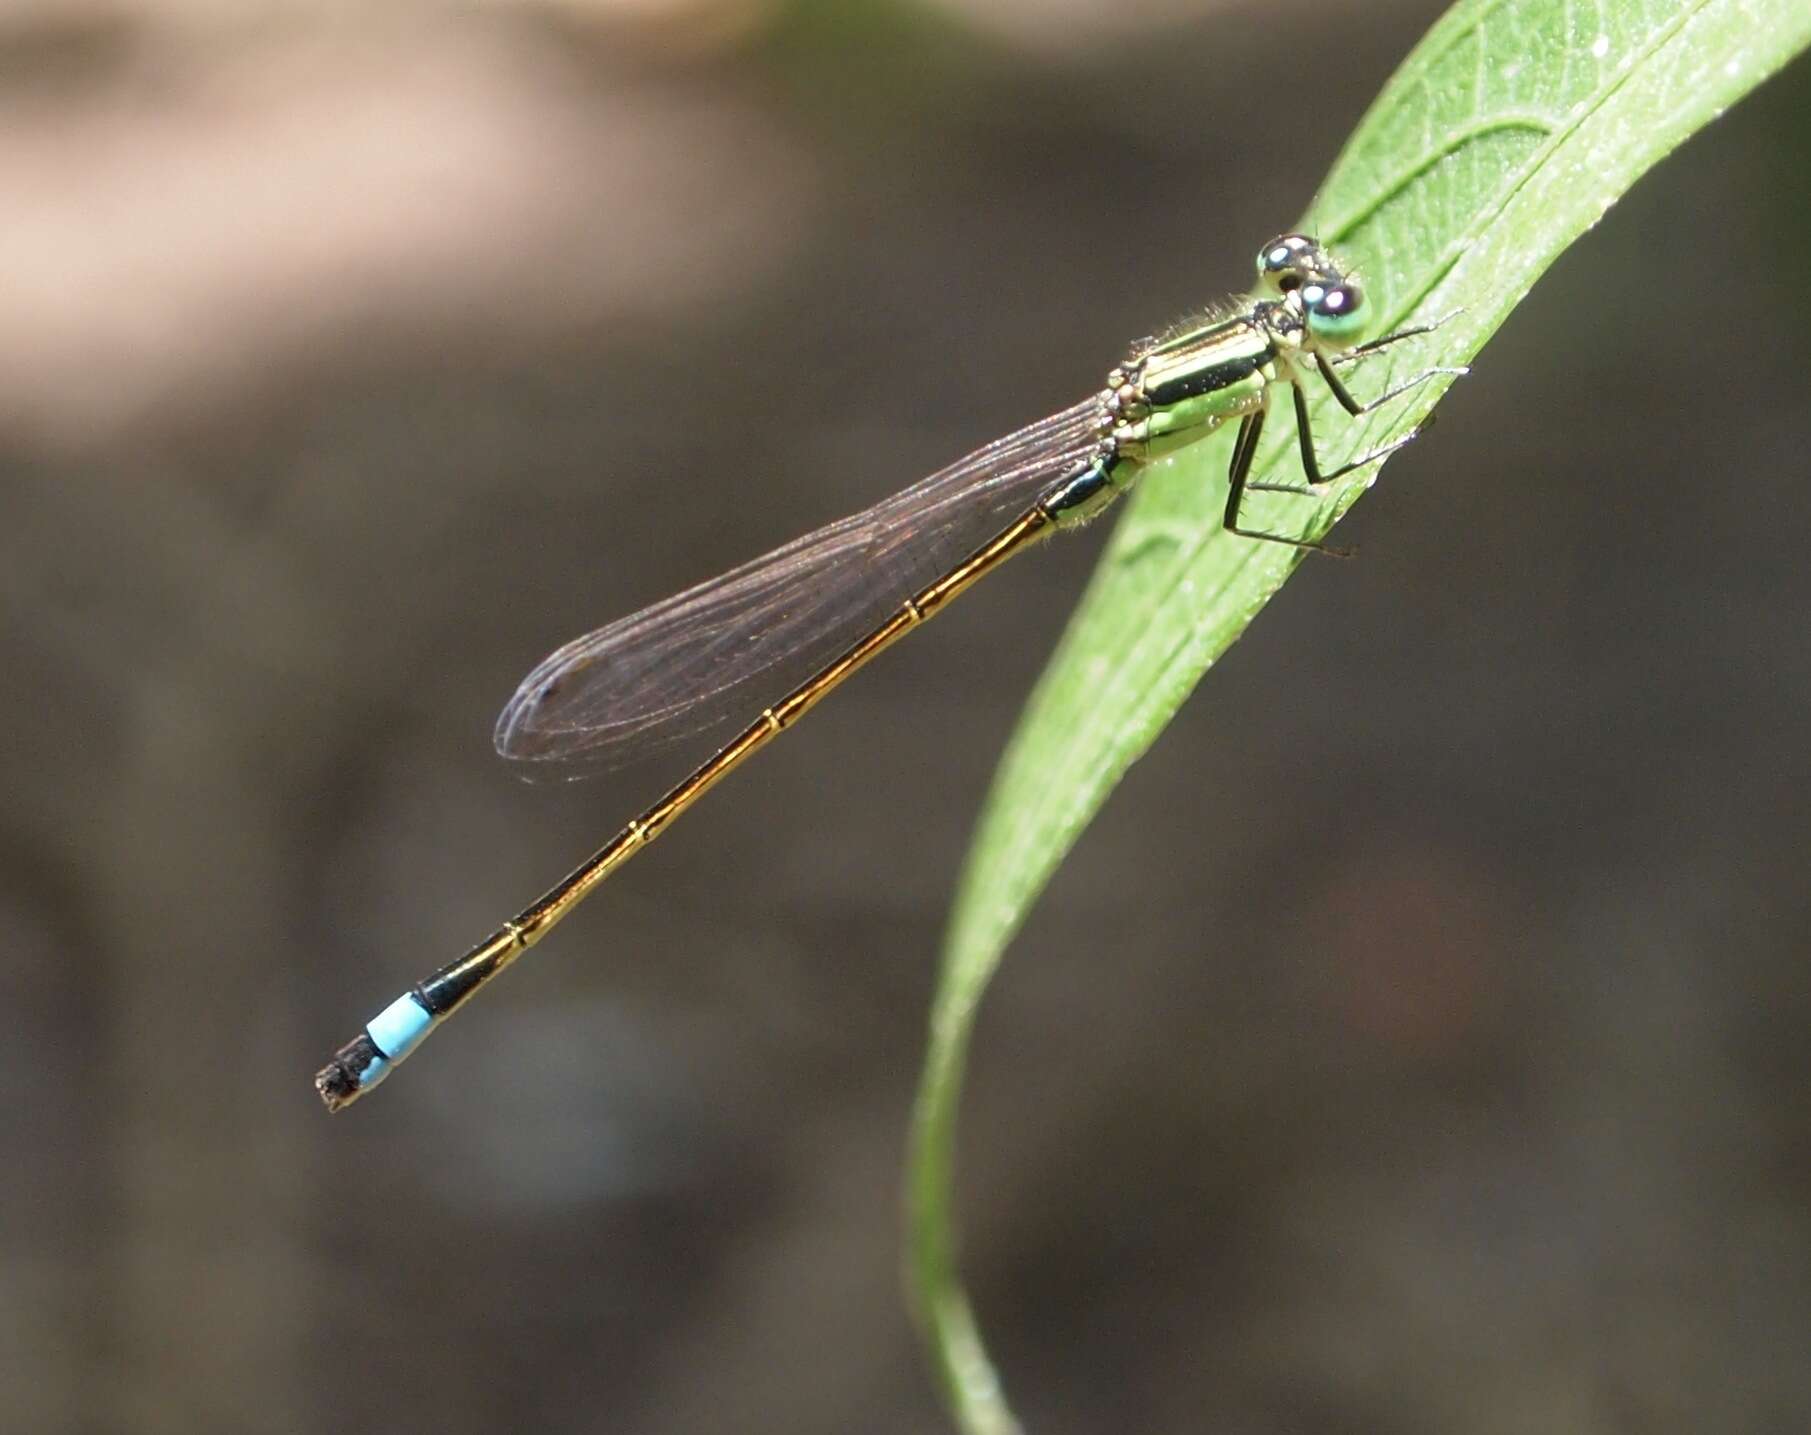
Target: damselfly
802 619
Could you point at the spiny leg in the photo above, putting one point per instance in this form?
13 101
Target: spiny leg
1244 449
1352 405
1311 469
1240 469
1412 332
1344 395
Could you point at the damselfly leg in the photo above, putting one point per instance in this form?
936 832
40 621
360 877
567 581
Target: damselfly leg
1245 449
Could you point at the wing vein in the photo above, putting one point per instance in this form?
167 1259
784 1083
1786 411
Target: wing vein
683 665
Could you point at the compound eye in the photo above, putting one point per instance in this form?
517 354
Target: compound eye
1334 311
1282 261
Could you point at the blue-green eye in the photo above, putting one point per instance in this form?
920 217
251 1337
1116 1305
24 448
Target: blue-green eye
1290 261
1335 312
1283 262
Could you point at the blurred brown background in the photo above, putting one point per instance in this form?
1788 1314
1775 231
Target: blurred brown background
1418 1041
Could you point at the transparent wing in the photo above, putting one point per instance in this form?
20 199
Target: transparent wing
740 641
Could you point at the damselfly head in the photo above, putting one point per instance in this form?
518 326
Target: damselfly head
1291 260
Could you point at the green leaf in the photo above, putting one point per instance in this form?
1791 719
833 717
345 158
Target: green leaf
1506 134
